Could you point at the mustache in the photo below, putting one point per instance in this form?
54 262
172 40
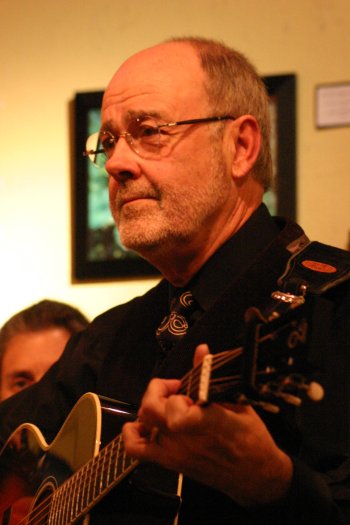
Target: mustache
134 192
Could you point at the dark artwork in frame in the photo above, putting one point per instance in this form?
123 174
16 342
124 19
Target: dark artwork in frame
97 251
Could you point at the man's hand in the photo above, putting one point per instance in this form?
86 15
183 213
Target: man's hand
227 447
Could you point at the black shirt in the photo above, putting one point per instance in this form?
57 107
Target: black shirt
117 354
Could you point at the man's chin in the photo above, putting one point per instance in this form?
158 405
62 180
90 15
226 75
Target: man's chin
139 241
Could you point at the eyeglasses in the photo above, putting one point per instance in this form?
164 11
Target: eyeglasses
146 137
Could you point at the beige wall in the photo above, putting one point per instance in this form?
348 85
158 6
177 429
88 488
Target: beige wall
50 50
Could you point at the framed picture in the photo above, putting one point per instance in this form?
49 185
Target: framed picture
281 199
97 252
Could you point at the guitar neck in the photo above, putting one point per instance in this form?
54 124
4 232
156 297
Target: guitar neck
270 367
267 371
84 489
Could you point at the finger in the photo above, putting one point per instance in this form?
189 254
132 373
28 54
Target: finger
181 413
140 444
201 351
135 436
161 389
151 412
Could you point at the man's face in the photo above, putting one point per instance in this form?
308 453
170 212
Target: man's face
179 202
28 356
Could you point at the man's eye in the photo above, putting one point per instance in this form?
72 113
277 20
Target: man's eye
148 131
107 143
21 384
145 132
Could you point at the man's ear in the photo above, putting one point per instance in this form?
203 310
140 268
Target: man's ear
247 140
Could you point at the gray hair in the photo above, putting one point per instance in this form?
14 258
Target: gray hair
234 87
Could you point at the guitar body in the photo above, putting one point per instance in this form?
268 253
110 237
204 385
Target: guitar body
31 470
62 483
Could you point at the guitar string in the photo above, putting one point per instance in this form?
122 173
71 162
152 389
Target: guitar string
189 382
193 376
42 511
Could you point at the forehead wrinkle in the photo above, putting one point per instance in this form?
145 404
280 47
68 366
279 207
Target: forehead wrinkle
109 124
154 79
112 97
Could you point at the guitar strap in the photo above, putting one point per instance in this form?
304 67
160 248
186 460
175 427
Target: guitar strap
316 266
312 269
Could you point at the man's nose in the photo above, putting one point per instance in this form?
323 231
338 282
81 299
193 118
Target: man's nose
123 162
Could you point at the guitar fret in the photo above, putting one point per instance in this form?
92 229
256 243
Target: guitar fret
114 452
90 485
118 442
109 467
89 488
62 506
72 492
95 482
82 490
103 457
120 462
71 489
128 462
52 510
67 502
73 500
83 476
110 462
62 509
124 462
78 492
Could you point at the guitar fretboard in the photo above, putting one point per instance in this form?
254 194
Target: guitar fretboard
82 491
73 499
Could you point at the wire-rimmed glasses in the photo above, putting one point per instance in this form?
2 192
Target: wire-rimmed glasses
145 136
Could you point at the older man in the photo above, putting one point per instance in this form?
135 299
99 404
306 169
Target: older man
185 140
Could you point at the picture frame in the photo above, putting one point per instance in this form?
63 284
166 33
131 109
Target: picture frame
97 253
281 199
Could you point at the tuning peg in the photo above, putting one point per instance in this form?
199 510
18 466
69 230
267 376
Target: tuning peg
268 407
314 391
265 405
288 398
275 390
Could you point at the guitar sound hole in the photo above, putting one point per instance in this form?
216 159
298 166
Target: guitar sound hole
41 512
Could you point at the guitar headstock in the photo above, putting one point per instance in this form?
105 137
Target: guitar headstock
271 369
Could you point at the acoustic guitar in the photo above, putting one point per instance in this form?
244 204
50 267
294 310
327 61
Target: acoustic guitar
61 482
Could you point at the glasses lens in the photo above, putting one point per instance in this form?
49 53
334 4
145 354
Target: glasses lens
95 150
143 135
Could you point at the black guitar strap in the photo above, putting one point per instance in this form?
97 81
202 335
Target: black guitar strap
312 269
316 266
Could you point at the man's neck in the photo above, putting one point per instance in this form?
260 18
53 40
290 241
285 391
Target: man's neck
181 261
